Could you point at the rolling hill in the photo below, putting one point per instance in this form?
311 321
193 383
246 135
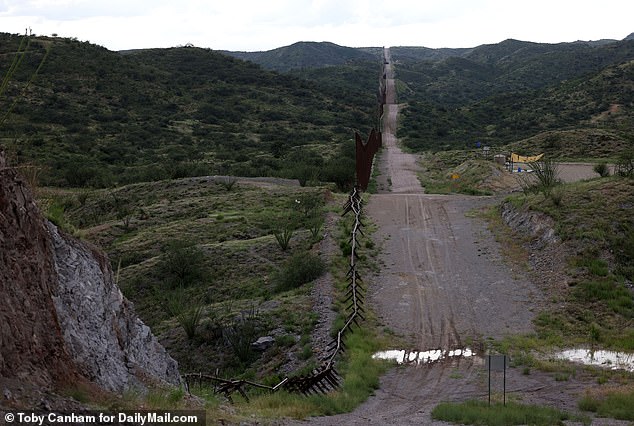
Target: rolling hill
96 117
100 118
303 55
503 93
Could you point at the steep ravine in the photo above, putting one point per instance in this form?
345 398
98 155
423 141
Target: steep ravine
63 320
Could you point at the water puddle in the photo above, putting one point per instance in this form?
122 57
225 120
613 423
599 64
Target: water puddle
606 359
423 357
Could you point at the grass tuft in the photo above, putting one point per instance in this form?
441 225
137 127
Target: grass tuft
480 413
614 403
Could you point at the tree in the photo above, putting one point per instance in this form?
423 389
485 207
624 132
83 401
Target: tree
183 264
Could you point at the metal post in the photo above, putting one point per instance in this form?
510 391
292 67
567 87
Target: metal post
505 380
489 380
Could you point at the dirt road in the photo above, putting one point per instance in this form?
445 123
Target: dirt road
397 169
443 284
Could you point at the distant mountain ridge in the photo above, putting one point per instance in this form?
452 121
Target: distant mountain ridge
309 54
498 94
303 55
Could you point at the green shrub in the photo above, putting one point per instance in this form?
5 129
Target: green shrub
547 175
302 268
618 404
624 251
241 333
285 340
602 169
625 164
182 264
228 182
341 171
315 229
305 174
557 196
306 353
614 295
188 313
598 267
346 248
56 213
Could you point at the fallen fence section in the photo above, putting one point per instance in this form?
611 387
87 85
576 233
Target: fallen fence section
324 378
354 295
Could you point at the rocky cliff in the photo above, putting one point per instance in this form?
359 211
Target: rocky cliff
62 317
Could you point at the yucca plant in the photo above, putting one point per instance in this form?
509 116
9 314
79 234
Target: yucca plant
283 237
228 182
547 175
188 313
315 230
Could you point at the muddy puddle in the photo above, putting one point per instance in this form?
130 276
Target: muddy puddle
423 357
600 358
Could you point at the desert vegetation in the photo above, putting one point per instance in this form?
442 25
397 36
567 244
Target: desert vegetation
147 154
95 118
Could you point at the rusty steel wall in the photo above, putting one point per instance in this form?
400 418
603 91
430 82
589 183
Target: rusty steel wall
365 151
365 155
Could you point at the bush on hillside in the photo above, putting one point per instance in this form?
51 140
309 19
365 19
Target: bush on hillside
301 269
602 169
625 164
547 176
182 264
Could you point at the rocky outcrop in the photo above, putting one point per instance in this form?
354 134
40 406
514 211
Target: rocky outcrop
539 226
32 346
108 342
62 317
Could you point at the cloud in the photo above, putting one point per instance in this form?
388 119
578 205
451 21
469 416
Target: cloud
70 10
263 25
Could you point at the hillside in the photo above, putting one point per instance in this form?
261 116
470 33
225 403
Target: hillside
303 55
96 117
509 66
503 93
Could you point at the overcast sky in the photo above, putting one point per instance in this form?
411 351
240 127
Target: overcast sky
253 25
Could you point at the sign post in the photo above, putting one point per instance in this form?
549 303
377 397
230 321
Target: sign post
497 363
